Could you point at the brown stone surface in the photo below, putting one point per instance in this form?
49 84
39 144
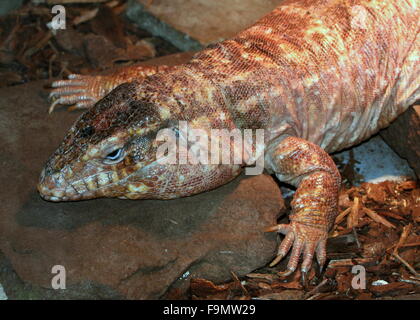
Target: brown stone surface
136 249
403 135
209 21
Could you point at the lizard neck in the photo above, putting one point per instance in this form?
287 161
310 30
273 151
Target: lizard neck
207 100
187 93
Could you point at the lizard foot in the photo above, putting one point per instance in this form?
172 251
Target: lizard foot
80 91
304 239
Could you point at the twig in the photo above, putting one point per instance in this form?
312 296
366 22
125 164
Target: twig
376 217
314 296
409 267
416 282
236 279
403 237
315 290
40 45
50 62
342 215
353 217
411 244
356 237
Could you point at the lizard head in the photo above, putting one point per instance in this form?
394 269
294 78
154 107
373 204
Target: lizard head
111 151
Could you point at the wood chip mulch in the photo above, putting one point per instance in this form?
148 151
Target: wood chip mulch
378 228
97 37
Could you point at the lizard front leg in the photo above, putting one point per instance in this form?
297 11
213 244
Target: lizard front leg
83 91
315 204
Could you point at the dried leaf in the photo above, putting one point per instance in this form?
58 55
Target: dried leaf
204 288
392 288
86 16
264 285
109 25
284 295
295 284
268 277
351 262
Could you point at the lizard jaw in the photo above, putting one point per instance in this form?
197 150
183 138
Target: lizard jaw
65 185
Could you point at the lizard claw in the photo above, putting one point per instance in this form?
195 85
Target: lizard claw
276 260
304 240
304 277
79 90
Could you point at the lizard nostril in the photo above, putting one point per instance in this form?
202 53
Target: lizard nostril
42 176
50 184
43 190
45 184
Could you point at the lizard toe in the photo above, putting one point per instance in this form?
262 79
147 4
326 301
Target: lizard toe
294 257
67 83
82 104
308 255
70 90
78 90
285 245
321 254
304 240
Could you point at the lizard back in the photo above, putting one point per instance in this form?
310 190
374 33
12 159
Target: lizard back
332 72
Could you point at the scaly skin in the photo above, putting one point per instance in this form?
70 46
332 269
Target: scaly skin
317 76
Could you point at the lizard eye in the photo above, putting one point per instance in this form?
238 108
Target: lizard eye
115 156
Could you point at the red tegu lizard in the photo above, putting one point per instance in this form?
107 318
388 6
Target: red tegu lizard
317 75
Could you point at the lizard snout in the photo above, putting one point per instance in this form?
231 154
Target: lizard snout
53 187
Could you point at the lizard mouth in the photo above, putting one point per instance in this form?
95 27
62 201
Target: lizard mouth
59 199
55 188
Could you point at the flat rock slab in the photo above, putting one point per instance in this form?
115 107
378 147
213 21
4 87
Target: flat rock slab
403 135
119 248
192 24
